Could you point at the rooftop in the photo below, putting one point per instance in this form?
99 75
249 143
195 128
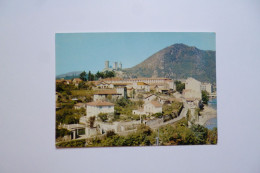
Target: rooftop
156 103
141 83
106 92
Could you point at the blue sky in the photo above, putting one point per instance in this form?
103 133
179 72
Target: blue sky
89 51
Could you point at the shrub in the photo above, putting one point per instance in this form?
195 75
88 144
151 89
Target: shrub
103 116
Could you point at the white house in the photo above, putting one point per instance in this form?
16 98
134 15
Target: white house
153 107
80 105
104 85
96 107
150 98
192 89
103 95
206 87
149 108
141 87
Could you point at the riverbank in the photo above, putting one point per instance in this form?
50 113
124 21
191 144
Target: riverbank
207 114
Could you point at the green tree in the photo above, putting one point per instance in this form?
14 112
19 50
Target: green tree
179 86
103 116
83 76
205 97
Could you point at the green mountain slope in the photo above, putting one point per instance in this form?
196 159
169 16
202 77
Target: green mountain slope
178 61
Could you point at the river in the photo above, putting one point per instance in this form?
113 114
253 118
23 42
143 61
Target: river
211 123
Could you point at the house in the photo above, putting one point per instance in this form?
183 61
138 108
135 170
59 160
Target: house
162 88
104 95
149 108
130 92
76 81
104 85
192 84
192 103
153 107
188 93
192 89
80 105
122 91
96 107
150 98
206 87
141 87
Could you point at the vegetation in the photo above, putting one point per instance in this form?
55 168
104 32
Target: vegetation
62 132
179 86
173 110
177 134
180 134
91 121
106 74
69 115
103 116
83 76
73 143
205 97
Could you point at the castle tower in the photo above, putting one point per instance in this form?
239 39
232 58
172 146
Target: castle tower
115 66
106 64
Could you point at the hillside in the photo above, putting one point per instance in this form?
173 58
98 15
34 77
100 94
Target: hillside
178 61
70 75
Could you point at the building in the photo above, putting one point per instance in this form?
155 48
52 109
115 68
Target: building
150 98
116 66
120 66
104 85
153 107
192 89
148 81
150 108
141 87
80 105
96 107
206 87
76 81
105 95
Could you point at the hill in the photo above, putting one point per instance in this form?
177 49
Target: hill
70 75
178 61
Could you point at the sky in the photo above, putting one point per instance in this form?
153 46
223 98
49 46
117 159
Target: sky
89 51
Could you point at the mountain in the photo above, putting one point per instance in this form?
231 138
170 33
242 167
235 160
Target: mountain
70 75
178 61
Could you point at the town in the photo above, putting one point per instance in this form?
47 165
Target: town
89 111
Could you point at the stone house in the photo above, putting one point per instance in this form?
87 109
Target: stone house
96 107
105 95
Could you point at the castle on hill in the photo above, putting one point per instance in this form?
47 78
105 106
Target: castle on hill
116 66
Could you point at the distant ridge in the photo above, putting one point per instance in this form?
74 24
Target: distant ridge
178 61
69 75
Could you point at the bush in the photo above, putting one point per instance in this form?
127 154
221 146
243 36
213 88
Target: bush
103 116
62 132
74 143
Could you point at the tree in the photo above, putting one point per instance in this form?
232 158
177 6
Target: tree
90 76
140 103
103 116
91 121
179 86
83 76
205 97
